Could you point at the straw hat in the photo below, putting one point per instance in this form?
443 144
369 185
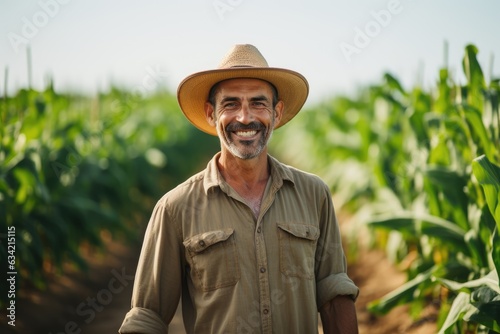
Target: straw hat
242 61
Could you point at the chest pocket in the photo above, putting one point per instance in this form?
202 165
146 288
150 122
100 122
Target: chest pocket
213 259
297 249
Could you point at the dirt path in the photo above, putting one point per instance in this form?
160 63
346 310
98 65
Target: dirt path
98 301
80 303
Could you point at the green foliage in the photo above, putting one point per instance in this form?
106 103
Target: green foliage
420 169
72 167
488 176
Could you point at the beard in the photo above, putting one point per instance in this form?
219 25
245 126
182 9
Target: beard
245 149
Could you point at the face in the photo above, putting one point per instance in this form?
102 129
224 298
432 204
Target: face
244 116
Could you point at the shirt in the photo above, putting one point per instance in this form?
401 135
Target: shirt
236 273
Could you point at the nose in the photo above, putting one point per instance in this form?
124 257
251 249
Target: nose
245 115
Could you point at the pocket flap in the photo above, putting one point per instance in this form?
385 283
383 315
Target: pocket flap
200 242
301 231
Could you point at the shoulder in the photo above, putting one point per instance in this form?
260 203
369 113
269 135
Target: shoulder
301 178
192 186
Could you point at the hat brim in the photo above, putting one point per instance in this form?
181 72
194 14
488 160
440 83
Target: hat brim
192 92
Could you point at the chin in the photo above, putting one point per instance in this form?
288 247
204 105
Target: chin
245 154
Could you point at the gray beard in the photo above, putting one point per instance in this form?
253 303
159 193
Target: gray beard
235 151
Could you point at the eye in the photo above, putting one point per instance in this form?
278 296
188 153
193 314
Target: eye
259 104
230 105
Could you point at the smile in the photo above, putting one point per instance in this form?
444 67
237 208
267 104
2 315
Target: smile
246 134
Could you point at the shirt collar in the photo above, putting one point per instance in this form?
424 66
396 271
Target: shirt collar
213 178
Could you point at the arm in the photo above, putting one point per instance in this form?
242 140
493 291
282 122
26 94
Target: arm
339 316
336 292
158 280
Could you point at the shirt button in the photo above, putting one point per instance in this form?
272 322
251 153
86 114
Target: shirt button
262 269
266 311
201 243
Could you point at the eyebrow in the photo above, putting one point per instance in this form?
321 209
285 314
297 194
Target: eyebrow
229 99
252 99
260 98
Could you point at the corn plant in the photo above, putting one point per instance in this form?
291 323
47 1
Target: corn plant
74 166
420 169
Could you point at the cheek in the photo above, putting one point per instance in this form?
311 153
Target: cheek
219 125
222 120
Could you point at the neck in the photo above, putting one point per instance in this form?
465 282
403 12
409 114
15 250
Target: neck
241 173
247 177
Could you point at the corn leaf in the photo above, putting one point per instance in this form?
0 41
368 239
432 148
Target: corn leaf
475 77
461 304
486 308
486 314
415 225
488 176
490 280
495 251
451 184
480 135
401 295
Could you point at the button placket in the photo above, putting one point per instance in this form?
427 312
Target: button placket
264 289
260 245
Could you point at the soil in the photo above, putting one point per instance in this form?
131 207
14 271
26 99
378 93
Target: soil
97 301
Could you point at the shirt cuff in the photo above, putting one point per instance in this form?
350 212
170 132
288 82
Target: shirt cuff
333 286
142 320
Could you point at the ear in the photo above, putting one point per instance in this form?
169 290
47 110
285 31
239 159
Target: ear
210 113
278 112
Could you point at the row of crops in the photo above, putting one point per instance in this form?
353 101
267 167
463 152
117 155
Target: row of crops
420 170
74 167
418 167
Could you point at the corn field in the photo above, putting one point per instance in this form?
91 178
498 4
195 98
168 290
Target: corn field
421 170
74 167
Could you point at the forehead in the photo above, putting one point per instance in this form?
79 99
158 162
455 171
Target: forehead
244 85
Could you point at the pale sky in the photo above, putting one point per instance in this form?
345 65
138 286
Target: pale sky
86 45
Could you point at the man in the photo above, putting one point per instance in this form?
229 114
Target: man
251 245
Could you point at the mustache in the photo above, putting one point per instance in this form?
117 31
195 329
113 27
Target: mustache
237 126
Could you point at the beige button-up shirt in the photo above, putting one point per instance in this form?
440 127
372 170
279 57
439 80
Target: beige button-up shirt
235 273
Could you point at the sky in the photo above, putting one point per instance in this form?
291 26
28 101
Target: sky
339 46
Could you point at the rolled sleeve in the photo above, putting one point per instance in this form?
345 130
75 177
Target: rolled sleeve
331 271
335 285
158 280
142 320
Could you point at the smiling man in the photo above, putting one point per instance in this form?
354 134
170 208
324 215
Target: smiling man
249 244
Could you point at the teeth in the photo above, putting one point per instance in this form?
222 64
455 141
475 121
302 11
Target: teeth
246 133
